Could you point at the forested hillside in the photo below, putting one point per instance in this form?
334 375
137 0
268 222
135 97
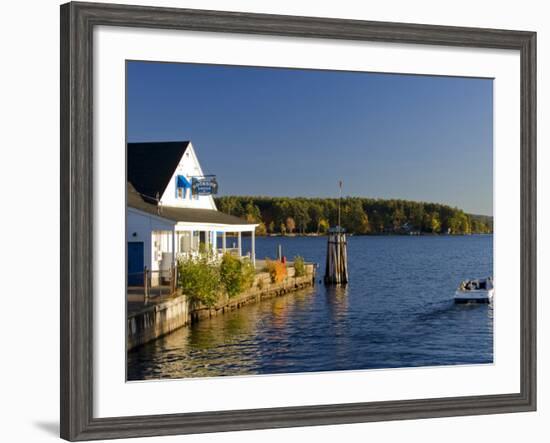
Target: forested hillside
282 215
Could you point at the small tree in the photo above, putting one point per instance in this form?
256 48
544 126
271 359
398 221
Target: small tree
261 229
323 226
398 217
354 218
435 223
299 266
301 217
248 274
315 214
253 213
290 224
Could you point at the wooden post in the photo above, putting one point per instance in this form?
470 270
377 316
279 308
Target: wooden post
172 280
336 267
214 242
253 249
145 284
176 277
175 249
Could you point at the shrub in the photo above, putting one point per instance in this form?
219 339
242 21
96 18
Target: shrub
199 280
202 249
299 266
236 275
276 269
248 274
230 275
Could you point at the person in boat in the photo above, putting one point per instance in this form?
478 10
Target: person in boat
471 285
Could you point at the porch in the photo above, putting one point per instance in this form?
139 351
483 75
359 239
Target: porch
157 278
191 241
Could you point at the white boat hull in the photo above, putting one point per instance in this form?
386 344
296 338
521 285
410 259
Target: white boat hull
474 295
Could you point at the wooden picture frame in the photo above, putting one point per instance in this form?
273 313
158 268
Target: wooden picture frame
77 23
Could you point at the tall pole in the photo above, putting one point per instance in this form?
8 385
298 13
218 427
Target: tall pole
339 202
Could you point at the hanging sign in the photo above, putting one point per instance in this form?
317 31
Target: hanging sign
207 185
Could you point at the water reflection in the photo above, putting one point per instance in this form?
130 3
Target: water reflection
229 344
337 300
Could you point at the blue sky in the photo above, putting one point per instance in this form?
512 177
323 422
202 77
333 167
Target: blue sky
289 132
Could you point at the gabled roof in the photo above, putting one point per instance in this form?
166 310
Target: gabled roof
189 215
137 201
150 165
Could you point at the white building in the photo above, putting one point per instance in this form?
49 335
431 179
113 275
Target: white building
171 211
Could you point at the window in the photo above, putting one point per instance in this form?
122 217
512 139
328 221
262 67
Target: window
185 241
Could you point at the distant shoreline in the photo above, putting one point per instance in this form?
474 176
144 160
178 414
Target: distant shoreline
423 234
360 216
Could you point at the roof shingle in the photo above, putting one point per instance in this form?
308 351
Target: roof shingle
150 165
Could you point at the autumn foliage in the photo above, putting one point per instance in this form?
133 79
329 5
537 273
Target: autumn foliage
277 270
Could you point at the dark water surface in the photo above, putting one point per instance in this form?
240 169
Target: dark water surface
397 311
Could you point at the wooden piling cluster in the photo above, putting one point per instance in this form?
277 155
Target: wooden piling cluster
336 270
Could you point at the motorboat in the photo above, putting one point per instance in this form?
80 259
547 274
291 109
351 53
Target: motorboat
475 291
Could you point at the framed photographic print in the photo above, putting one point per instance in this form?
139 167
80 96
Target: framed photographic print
273 221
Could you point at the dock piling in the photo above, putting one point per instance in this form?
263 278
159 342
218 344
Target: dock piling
336 268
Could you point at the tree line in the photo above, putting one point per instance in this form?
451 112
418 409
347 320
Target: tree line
299 215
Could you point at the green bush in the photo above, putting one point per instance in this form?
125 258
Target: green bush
199 280
299 266
236 276
230 274
203 280
248 274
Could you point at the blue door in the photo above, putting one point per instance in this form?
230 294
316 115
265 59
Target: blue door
135 263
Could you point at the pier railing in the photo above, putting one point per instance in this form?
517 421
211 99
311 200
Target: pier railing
150 284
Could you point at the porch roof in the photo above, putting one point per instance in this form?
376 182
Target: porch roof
184 215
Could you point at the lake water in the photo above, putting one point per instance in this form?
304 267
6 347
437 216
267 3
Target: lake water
397 311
